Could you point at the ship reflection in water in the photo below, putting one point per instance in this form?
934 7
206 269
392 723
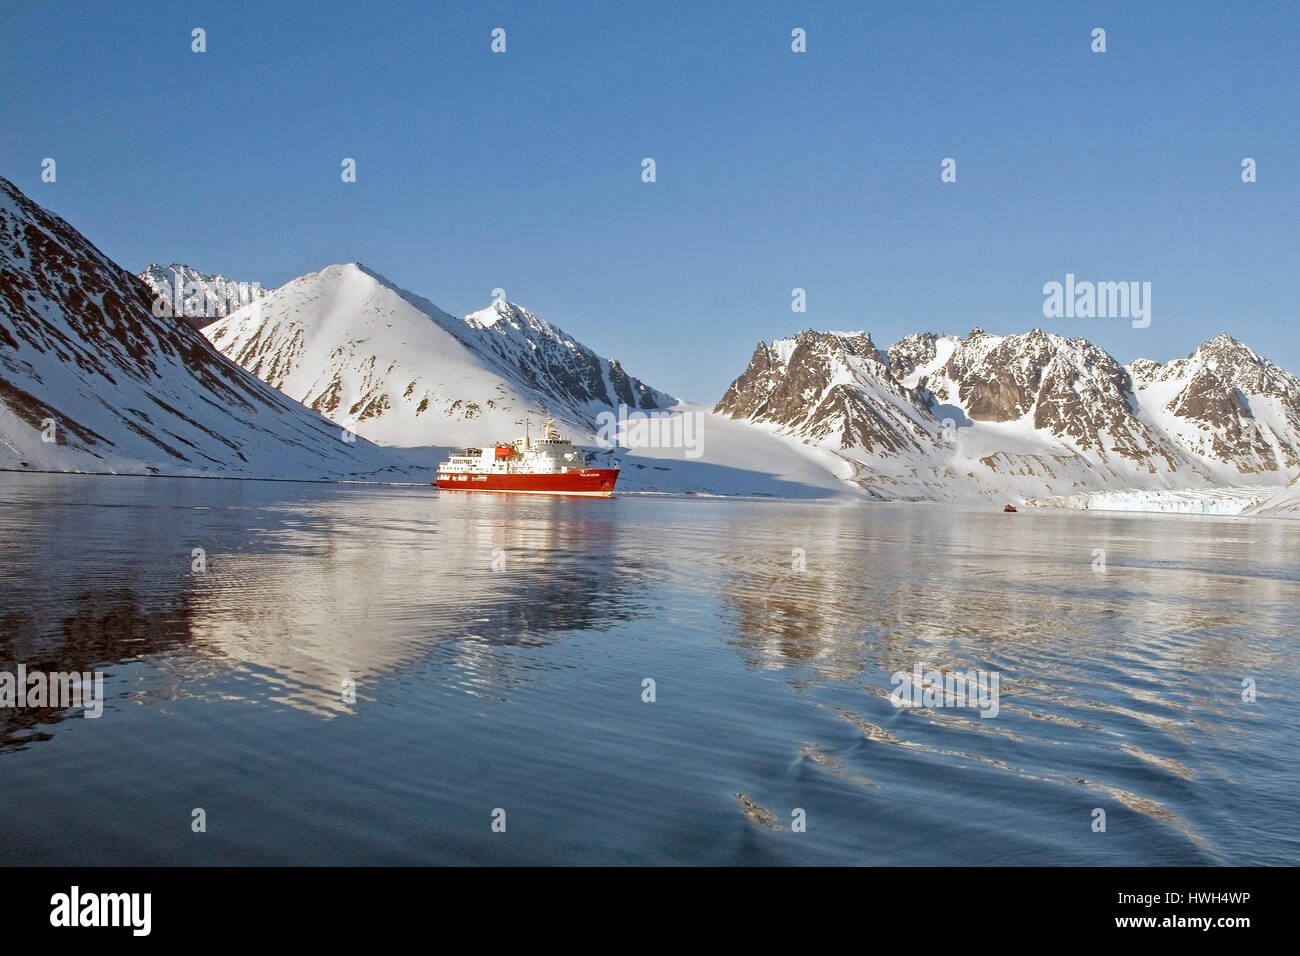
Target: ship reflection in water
353 674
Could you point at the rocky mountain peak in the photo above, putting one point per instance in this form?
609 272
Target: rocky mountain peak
830 386
912 352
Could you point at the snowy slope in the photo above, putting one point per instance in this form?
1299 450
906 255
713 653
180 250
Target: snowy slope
400 371
736 458
130 392
1284 504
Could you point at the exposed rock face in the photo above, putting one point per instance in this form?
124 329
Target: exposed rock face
752 390
547 359
1069 388
994 385
908 354
1143 371
831 386
1209 400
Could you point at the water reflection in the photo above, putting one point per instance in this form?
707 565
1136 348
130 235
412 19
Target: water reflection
91 631
297 590
1125 681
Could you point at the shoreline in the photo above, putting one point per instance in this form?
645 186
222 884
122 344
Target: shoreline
1028 506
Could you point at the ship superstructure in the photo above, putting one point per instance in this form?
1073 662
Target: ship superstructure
550 465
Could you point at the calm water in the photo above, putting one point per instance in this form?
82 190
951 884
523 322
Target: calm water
521 688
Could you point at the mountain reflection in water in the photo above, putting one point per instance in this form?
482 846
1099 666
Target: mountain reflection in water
500 650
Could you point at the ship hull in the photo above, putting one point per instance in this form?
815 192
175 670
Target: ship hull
585 482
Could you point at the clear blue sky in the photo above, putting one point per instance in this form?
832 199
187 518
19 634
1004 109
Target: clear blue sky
775 170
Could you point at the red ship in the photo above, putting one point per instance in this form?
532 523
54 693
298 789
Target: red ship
551 465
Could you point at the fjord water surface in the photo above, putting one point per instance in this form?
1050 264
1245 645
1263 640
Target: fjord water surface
500 649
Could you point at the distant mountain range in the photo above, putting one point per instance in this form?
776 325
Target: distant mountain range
282 382
1024 415
399 370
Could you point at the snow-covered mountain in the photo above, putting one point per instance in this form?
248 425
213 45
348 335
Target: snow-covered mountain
546 359
399 370
199 298
832 388
85 362
1027 415
1226 404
